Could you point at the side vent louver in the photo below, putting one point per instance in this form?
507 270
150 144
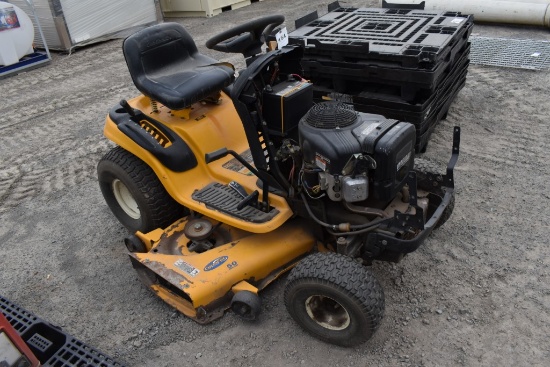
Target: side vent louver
155 133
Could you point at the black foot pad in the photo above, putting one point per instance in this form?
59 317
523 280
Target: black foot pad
225 199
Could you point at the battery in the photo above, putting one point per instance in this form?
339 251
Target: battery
285 104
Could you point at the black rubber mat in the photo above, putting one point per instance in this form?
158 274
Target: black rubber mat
225 199
52 346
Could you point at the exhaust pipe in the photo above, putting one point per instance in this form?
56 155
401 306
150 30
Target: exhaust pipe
527 12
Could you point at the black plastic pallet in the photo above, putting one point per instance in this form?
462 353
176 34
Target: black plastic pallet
446 89
352 80
377 89
421 121
385 100
364 72
423 139
401 38
52 346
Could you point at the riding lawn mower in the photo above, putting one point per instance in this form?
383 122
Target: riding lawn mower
229 183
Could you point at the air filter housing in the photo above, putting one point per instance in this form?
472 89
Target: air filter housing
331 115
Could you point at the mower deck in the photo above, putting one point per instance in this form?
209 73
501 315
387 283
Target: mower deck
201 285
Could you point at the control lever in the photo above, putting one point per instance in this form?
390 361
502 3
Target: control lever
252 198
238 188
247 199
129 110
220 153
214 156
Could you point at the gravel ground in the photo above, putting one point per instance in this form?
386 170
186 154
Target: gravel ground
476 293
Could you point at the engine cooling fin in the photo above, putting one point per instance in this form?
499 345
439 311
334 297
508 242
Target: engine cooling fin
331 115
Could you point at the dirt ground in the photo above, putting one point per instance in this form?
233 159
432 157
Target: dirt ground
476 293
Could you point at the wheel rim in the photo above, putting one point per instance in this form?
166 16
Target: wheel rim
327 313
125 199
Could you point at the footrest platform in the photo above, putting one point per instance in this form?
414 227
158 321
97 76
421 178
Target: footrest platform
223 198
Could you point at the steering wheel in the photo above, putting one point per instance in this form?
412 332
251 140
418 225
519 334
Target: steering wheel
246 38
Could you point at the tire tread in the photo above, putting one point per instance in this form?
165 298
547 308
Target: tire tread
347 275
163 209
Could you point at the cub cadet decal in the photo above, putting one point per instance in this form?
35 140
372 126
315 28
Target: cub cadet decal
215 263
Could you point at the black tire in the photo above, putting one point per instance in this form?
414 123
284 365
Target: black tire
246 304
121 171
335 299
423 166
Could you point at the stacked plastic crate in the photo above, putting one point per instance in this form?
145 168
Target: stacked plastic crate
49 344
401 63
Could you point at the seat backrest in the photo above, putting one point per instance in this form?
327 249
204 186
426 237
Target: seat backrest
154 49
166 66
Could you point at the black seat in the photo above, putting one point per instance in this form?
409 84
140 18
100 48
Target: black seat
166 66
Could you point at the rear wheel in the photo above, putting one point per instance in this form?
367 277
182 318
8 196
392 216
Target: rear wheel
423 166
335 299
134 193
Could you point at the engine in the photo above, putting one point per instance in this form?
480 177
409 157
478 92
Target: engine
354 156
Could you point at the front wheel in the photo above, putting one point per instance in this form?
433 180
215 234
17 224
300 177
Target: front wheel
134 193
335 299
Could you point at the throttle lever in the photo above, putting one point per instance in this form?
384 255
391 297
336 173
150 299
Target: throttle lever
238 188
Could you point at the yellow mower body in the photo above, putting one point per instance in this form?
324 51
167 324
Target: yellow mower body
204 129
201 285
